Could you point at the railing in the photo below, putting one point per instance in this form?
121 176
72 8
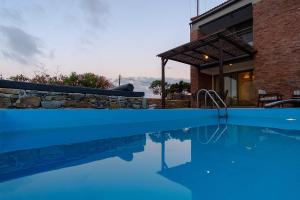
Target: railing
217 134
220 99
245 34
67 89
208 93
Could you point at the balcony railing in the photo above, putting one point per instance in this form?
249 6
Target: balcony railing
245 34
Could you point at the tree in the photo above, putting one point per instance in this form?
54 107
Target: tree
156 87
180 87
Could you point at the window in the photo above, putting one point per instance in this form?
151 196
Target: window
239 86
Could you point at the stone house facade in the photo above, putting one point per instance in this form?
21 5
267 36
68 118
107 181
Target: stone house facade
272 27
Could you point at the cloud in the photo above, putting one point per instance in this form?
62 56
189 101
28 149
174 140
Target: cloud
20 46
52 54
141 84
15 57
12 15
95 12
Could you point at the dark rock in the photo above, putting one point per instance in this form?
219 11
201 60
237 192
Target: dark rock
28 102
54 98
77 104
9 91
53 104
5 102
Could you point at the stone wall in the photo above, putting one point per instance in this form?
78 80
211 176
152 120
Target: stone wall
14 98
276 36
156 103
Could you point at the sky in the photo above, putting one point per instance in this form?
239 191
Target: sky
106 37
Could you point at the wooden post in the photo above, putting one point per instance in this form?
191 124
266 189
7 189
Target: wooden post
163 159
197 7
163 83
221 75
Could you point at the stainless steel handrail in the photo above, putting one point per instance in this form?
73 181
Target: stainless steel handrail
220 99
222 132
212 136
208 92
217 134
198 93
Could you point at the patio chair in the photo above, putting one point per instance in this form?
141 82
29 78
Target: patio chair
296 94
294 101
264 97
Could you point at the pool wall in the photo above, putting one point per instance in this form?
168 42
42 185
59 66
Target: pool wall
22 129
14 119
28 119
282 118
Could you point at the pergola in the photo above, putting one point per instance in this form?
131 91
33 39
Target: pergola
217 49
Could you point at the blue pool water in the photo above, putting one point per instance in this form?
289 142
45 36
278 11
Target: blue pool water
199 158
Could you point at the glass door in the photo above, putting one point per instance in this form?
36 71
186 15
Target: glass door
239 87
230 87
246 91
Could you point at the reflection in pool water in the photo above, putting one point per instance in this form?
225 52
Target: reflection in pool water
25 162
244 163
210 162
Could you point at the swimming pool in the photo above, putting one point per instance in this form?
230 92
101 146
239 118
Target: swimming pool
149 154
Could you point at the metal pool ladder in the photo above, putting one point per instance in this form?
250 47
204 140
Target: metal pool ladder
208 93
217 134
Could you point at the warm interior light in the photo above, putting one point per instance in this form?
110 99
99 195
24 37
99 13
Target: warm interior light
230 65
206 57
246 76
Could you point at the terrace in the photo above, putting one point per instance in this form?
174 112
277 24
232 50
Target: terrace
217 49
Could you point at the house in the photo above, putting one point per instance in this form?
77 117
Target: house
241 46
220 161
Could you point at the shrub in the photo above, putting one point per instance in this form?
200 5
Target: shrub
87 80
20 77
74 79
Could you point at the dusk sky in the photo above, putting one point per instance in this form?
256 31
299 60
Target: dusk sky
107 37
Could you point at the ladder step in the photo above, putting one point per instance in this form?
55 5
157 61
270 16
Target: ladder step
214 101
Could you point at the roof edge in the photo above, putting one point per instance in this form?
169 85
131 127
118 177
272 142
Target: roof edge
213 10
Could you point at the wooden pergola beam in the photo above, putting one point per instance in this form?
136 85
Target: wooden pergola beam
227 52
184 48
184 62
226 61
163 82
203 53
194 57
236 44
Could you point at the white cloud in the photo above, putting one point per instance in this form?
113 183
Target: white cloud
141 84
20 46
12 15
95 12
